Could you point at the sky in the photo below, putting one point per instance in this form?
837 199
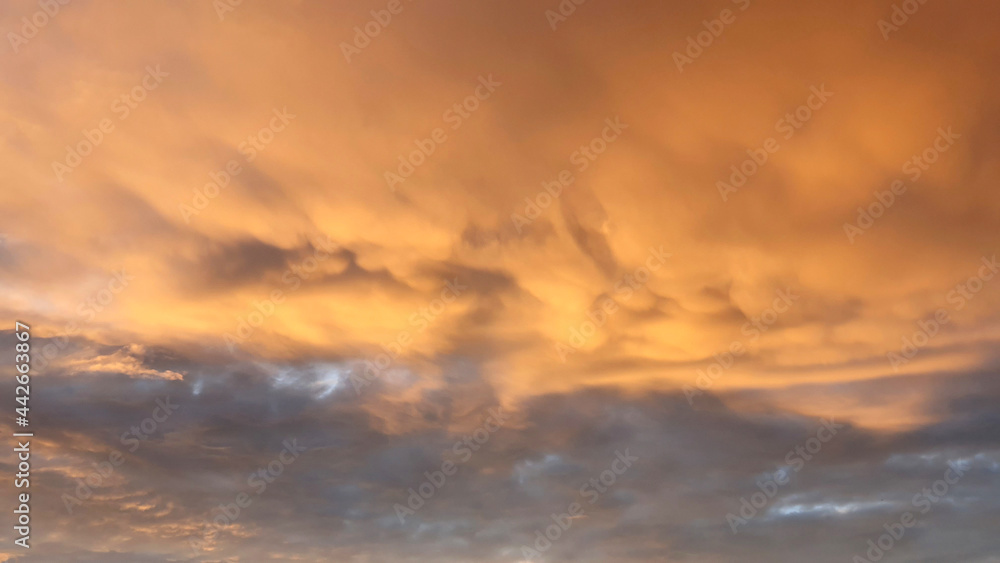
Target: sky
503 281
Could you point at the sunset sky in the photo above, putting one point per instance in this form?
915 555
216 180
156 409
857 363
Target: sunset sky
637 258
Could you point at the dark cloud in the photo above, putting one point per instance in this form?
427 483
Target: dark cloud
365 452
